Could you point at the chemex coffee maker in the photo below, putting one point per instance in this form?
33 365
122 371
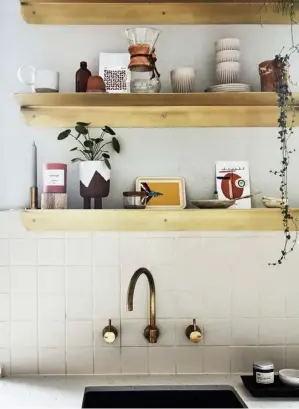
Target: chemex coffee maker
144 74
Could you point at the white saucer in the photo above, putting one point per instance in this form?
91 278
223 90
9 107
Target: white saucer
229 88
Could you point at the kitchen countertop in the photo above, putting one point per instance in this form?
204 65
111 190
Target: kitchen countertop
67 391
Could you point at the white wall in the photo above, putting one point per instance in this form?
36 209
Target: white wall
58 290
190 153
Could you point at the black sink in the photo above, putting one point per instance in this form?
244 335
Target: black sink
162 397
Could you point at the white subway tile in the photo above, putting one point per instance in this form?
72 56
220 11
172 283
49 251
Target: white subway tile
24 334
52 361
51 280
5 360
166 303
245 332
216 360
107 281
162 360
4 335
4 307
79 306
23 252
242 359
107 361
216 332
133 252
167 335
160 251
4 252
78 235
292 331
217 303
274 354
134 360
4 280
132 333
272 303
189 360
23 307
79 361
4 224
51 307
166 279
292 357
188 251
79 252
180 332
16 228
293 303
51 334
272 331
24 361
99 325
187 304
245 303
23 279
51 252
106 251
79 279
79 334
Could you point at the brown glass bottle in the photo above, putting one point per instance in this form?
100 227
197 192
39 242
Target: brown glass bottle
82 76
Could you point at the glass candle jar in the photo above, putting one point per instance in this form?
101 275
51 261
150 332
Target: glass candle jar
263 371
134 200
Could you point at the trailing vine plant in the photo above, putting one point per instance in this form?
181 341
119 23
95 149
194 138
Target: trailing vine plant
286 121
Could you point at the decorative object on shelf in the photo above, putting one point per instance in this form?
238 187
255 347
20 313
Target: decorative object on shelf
263 371
193 332
33 188
269 72
286 122
224 44
227 56
163 192
289 377
213 204
54 177
272 202
94 167
114 70
144 74
232 182
95 83
82 76
134 200
228 72
183 79
39 80
110 333
229 88
54 201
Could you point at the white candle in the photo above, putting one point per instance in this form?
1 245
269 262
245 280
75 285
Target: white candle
34 165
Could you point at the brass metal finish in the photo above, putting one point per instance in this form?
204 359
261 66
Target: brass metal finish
33 198
193 332
110 333
151 332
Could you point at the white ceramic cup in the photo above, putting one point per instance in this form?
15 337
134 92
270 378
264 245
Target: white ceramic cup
183 79
39 80
227 55
228 73
227 44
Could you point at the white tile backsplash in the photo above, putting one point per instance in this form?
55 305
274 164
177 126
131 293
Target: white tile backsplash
58 291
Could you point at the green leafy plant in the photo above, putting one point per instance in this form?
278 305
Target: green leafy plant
286 121
91 149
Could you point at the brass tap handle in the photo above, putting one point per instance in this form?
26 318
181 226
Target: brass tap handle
193 332
110 333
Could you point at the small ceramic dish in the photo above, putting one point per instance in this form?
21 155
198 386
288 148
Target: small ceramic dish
273 202
213 204
289 377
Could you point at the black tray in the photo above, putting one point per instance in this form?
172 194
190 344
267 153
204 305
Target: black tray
277 389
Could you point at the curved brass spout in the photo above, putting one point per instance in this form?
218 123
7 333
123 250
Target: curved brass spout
151 332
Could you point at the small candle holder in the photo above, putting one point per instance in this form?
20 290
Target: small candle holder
134 200
33 198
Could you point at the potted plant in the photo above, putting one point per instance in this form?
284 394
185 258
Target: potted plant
94 163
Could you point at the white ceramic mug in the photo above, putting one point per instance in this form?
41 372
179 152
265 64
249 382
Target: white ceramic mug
39 80
183 79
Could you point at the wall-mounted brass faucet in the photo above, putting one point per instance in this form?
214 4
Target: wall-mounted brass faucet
151 332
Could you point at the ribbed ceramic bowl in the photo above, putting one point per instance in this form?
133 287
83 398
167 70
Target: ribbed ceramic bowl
228 72
289 377
227 44
228 56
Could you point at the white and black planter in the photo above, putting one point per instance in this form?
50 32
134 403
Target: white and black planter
94 182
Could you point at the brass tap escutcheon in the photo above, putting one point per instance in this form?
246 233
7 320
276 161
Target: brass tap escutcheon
193 332
110 333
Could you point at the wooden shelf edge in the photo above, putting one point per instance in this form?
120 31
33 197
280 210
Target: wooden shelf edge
154 220
149 12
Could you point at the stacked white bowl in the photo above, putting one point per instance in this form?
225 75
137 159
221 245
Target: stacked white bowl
228 61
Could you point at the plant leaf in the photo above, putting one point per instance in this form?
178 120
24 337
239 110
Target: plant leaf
76 160
107 163
83 123
108 130
81 129
73 149
64 134
88 151
105 155
116 145
97 140
88 144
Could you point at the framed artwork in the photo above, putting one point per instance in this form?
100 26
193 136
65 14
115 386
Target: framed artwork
232 182
114 71
163 192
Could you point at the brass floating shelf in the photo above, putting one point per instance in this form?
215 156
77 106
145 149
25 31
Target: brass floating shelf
248 109
150 12
154 220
